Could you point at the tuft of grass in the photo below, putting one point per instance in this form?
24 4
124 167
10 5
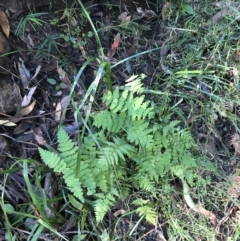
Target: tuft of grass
30 19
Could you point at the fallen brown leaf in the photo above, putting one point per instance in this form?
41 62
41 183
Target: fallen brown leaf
22 127
4 23
38 134
116 42
80 46
124 17
58 111
114 46
24 74
6 123
4 45
146 13
26 110
27 98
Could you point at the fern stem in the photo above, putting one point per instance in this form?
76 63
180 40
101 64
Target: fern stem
78 164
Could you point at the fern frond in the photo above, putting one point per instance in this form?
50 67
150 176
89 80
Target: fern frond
149 213
136 107
110 154
143 182
109 121
104 203
66 147
139 133
135 84
59 165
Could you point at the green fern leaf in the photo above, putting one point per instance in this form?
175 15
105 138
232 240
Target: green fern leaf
58 165
121 101
115 99
104 203
135 84
110 154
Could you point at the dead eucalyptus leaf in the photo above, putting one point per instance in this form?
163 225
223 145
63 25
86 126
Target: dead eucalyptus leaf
124 17
146 13
4 44
24 74
73 22
114 45
22 127
64 101
30 40
27 110
27 98
36 72
38 134
4 23
58 111
6 123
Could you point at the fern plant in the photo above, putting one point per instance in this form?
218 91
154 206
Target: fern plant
131 148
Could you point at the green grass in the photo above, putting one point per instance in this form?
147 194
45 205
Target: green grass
30 19
192 81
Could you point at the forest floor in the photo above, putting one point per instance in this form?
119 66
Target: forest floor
188 57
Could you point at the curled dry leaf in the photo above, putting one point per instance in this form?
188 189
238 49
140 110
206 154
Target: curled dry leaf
26 110
4 23
80 46
146 13
212 217
219 15
58 111
114 46
22 127
24 74
73 22
36 72
124 17
6 123
64 101
38 134
116 42
27 98
4 44
119 212
30 40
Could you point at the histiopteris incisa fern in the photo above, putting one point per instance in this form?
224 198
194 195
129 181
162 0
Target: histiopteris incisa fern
91 175
128 148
